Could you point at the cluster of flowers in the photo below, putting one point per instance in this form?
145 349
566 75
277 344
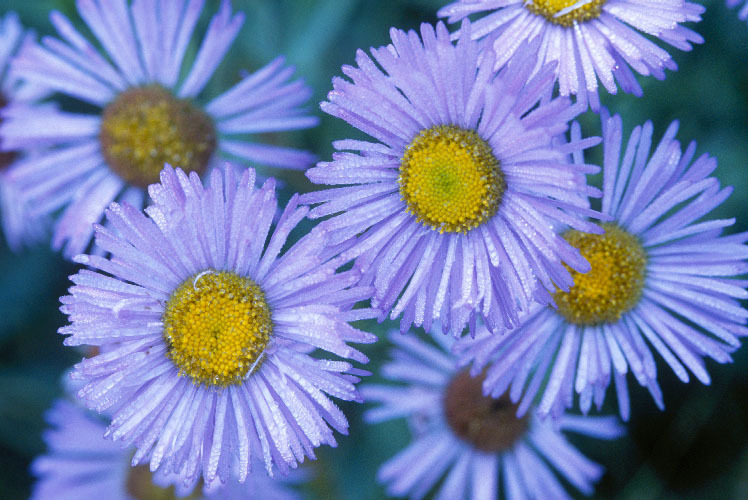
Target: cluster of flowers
467 214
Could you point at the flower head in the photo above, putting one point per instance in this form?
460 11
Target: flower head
450 212
81 465
205 328
471 440
591 40
19 96
662 281
146 114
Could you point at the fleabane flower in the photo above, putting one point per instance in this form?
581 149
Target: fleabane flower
743 12
663 281
148 108
591 40
20 96
449 212
81 465
476 444
205 328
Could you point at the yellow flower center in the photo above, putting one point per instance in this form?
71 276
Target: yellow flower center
216 326
614 284
139 485
145 127
450 179
566 12
488 424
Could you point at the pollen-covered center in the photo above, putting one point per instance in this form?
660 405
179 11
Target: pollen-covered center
487 423
140 486
145 127
216 326
566 12
614 284
450 179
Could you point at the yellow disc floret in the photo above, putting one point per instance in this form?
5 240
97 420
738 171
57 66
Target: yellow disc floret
614 284
145 127
566 12
216 327
450 179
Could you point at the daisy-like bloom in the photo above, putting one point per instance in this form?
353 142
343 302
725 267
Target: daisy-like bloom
454 203
590 40
81 465
477 442
205 330
19 95
743 12
146 113
662 280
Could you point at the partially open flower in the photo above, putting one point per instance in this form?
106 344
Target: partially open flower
81 465
475 443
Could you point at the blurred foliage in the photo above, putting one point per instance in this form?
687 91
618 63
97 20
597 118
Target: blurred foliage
696 449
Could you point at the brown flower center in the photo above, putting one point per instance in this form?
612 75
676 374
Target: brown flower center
488 424
6 157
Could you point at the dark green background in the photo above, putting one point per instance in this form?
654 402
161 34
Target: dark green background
696 449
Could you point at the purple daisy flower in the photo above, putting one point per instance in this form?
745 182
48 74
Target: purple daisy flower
205 330
590 40
147 115
81 465
743 12
662 280
18 96
474 440
453 206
